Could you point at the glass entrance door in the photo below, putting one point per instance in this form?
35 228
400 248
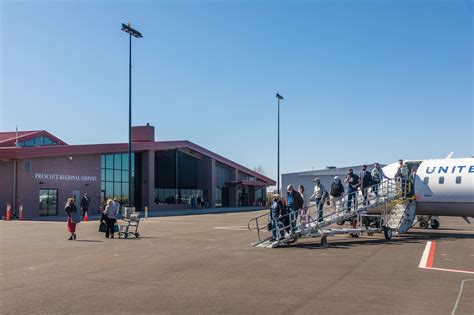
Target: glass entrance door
48 202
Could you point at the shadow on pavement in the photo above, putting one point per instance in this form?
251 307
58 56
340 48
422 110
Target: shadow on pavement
411 238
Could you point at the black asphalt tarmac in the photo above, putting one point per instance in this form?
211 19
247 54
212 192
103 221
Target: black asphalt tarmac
206 264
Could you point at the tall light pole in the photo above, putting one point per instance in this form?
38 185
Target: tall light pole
279 97
127 28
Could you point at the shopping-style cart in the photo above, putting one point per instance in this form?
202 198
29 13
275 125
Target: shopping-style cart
130 225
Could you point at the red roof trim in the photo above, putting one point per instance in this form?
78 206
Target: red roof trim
56 150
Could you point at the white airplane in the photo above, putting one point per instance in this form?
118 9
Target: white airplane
443 187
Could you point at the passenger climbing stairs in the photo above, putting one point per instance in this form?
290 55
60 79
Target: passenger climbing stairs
390 210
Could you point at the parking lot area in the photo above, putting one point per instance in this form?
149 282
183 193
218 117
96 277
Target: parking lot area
206 264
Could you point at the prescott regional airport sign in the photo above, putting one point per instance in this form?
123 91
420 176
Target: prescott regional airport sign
65 177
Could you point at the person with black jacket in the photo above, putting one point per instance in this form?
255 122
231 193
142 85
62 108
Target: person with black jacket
336 194
353 182
277 210
366 182
85 202
295 202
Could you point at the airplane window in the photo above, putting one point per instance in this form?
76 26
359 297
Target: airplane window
458 179
441 180
426 180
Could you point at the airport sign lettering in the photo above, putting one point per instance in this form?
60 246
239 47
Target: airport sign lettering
446 169
48 176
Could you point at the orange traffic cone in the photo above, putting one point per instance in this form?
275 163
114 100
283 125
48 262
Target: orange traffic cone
86 217
21 212
7 217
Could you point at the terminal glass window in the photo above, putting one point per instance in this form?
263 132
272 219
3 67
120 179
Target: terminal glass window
260 196
48 202
37 142
183 196
223 177
458 179
114 176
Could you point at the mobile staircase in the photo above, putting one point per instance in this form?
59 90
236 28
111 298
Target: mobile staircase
388 208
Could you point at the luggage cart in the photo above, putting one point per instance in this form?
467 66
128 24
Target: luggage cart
131 222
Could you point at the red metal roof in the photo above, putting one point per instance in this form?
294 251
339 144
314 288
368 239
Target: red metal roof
8 139
8 153
7 136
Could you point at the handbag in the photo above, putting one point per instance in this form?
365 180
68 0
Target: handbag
103 227
75 217
116 227
269 224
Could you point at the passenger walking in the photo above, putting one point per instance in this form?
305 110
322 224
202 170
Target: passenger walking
85 202
295 202
319 194
366 182
198 200
411 179
303 213
377 178
71 211
110 218
276 212
193 202
352 181
117 206
402 176
336 194
202 202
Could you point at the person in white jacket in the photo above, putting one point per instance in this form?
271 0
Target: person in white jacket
110 214
319 194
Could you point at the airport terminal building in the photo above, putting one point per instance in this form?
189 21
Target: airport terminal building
39 171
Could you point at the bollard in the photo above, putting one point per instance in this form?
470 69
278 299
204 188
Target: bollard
8 214
21 212
146 212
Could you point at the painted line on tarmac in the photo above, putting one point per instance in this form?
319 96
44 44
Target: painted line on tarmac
429 251
427 260
459 295
452 270
232 228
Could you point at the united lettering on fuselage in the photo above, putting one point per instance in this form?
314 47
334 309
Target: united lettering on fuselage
451 169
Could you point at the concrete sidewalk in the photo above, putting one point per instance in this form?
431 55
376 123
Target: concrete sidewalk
161 213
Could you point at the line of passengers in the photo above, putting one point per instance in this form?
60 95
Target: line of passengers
283 217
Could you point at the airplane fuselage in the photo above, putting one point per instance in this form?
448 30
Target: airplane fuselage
443 187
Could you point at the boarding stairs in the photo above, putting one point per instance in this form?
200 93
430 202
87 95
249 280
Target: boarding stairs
391 209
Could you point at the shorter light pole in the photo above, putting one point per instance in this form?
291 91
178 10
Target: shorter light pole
279 97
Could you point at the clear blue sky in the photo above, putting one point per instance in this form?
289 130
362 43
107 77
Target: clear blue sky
363 81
